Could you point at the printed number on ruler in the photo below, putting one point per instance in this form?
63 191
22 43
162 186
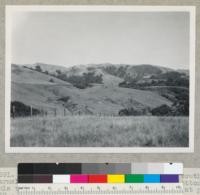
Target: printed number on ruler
100 189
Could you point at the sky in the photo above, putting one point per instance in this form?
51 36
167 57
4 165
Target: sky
74 38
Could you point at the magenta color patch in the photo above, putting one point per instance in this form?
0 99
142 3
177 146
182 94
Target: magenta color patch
78 178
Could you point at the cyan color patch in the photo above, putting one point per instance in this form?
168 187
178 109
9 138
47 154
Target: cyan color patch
152 178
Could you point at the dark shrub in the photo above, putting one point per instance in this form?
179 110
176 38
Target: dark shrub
51 80
163 110
124 112
134 112
181 108
38 68
18 109
84 81
58 72
64 99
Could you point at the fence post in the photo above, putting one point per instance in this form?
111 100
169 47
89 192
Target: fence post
13 111
31 110
55 113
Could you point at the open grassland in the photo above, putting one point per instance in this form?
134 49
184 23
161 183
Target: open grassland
95 131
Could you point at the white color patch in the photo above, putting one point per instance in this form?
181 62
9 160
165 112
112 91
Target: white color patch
174 168
61 178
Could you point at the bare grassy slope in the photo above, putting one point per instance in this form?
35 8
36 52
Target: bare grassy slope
92 131
25 75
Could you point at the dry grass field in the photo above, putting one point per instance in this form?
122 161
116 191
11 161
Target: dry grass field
93 131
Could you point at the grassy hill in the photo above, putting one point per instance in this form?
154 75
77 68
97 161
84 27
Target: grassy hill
35 88
21 74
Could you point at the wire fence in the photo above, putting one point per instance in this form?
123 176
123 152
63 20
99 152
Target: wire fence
31 111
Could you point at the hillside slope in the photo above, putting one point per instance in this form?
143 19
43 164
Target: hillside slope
21 74
34 88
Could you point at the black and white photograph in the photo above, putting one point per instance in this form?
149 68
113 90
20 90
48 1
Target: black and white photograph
108 78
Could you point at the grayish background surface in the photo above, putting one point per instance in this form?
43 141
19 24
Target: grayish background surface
73 38
189 160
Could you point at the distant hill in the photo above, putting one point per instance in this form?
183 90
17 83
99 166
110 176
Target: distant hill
46 67
88 89
119 70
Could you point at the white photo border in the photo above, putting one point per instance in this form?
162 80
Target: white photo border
100 8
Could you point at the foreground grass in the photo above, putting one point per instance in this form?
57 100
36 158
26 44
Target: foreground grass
93 131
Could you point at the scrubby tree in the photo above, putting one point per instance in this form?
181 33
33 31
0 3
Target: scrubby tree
51 80
58 72
134 111
19 109
38 68
163 110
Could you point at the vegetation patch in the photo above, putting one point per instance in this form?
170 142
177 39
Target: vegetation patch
93 131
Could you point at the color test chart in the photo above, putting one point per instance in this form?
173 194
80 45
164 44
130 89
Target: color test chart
8 186
128 178
99 178
72 173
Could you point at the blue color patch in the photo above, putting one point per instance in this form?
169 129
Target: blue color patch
152 178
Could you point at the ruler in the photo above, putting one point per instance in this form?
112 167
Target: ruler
100 189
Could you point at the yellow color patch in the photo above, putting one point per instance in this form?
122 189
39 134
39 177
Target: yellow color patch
116 178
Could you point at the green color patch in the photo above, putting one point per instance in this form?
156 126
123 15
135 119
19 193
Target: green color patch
134 178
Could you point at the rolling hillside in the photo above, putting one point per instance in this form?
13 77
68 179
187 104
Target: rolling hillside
35 88
88 105
20 74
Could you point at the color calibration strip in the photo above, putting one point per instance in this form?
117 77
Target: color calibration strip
110 178
99 172
99 168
